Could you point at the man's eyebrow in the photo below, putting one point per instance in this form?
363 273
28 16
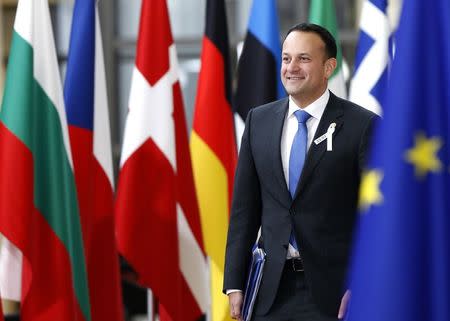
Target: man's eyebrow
302 54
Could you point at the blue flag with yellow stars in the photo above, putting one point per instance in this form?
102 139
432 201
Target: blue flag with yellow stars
400 268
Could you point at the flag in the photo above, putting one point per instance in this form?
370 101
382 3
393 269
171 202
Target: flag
157 217
38 201
322 12
88 118
373 57
10 276
258 72
213 148
2 54
402 254
2 82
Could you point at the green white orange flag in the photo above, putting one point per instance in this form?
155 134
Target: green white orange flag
38 202
323 12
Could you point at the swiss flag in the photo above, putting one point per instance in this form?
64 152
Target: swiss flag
157 216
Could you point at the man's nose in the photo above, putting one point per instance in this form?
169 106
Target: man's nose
293 66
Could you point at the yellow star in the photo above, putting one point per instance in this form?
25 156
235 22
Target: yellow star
423 156
369 190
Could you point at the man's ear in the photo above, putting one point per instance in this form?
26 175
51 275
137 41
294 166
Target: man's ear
330 66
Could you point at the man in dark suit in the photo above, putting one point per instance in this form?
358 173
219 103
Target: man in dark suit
298 179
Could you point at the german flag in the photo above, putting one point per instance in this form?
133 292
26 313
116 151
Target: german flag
213 148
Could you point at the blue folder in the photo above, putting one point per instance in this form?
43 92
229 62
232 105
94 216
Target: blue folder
253 281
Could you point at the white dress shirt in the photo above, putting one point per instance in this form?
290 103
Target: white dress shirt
290 127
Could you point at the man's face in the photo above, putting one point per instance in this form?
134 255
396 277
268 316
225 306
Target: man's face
305 68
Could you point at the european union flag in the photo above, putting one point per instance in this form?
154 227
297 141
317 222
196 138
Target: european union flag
401 262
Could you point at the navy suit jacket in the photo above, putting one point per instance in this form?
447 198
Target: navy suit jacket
322 212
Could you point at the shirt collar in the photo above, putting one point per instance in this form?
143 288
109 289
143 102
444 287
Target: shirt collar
315 109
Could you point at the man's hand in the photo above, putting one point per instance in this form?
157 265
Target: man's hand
236 299
344 304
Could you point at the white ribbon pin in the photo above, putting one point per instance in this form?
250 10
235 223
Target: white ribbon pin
328 136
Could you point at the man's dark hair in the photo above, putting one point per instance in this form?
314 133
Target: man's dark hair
324 34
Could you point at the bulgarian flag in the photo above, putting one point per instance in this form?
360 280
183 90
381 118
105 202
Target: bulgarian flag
322 12
38 201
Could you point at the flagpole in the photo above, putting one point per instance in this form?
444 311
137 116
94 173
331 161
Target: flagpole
208 314
150 307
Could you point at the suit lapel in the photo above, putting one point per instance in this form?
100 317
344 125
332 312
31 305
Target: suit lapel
332 114
275 148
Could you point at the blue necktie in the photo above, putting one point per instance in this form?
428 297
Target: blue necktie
297 158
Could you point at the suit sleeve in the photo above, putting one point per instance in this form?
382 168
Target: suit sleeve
245 218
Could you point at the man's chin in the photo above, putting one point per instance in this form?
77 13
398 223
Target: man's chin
294 92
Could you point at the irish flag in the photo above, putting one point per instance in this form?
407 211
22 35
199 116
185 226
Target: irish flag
322 12
38 201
